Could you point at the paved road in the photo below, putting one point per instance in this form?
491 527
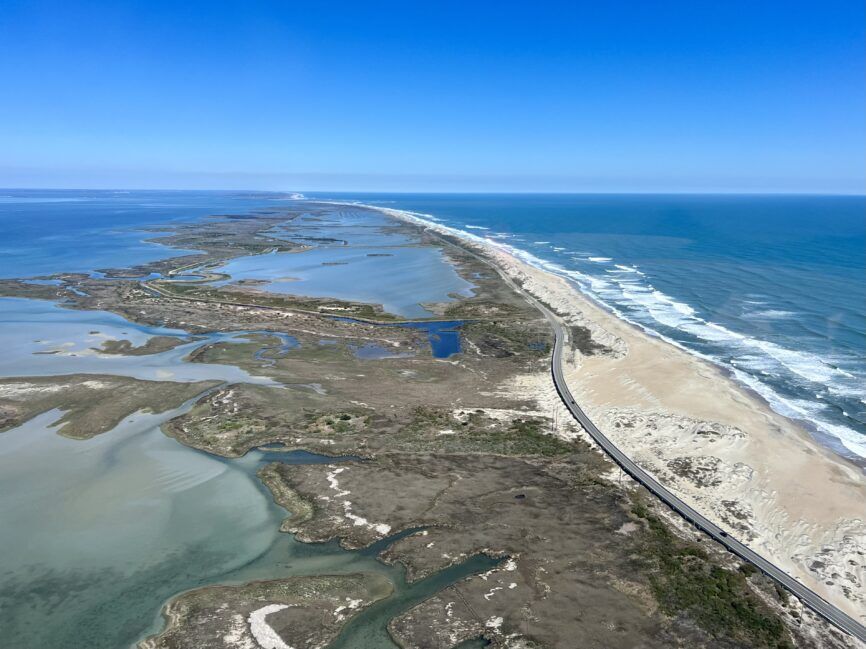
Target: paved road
839 618
811 599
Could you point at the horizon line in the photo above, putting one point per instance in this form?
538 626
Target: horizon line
452 192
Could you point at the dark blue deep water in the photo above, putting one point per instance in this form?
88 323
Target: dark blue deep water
772 288
443 335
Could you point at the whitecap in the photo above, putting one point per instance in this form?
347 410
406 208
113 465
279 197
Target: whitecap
751 354
808 411
628 269
852 389
769 314
803 364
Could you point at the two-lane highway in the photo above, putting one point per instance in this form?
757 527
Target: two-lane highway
811 599
807 596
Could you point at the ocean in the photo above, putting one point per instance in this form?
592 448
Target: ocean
770 288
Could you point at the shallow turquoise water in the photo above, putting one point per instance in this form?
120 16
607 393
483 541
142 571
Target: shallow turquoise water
43 339
369 263
97 534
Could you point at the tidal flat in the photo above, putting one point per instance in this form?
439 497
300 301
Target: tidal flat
304 493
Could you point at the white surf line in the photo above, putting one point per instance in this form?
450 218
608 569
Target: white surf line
849 439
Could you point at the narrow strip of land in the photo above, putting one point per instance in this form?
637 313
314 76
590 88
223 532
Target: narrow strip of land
811 599
837 617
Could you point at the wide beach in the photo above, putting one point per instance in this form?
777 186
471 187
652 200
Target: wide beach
417 480
718 446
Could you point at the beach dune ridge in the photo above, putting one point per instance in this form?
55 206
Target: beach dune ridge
719 447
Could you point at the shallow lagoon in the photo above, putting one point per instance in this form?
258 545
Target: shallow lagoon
400 281
40 338
376 264
345 226
98 534
63 231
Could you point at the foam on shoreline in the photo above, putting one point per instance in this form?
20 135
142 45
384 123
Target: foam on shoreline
759 355
715 443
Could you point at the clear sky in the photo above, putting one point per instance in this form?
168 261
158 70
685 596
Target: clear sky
434 96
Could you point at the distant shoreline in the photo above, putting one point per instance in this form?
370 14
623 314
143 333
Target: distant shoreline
808 427
755 457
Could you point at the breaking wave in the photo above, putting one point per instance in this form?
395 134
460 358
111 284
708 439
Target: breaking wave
756 363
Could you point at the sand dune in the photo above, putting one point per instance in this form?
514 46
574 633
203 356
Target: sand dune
719 447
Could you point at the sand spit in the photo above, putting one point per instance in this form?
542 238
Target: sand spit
719 447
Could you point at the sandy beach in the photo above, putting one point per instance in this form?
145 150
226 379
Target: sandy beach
719 447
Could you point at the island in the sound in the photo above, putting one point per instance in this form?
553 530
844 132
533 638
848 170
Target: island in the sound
394 379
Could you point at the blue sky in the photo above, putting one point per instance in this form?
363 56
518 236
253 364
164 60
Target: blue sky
444 96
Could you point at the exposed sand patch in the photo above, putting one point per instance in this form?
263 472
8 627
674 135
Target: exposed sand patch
381 528
25 390
719 447
261 630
